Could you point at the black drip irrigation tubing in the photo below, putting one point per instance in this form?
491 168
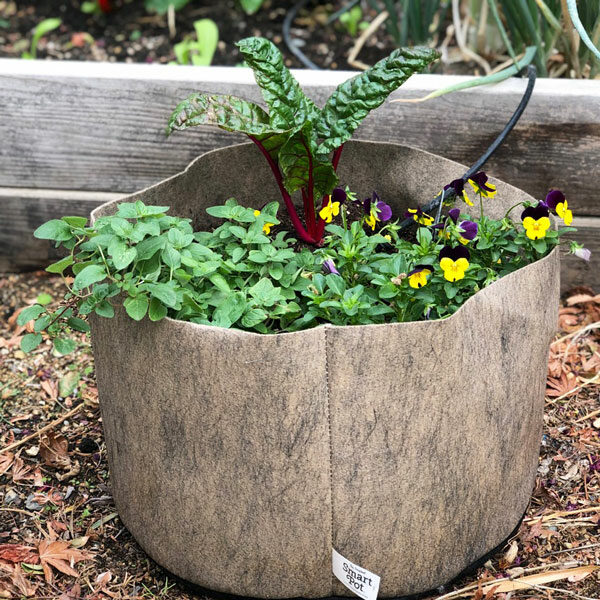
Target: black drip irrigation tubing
437 202
287 37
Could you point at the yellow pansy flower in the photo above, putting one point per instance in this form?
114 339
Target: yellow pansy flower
330 210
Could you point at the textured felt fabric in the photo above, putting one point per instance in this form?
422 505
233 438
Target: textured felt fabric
238 460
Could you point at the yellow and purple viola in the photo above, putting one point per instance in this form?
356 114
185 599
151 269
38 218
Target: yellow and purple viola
419 216
557 203
332 206
454 262
376 211
536 221
417 278
467 229
479 183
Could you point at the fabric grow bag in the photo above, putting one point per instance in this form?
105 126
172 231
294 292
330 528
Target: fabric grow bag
238 460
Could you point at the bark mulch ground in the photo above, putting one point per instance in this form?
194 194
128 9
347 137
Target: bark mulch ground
61 537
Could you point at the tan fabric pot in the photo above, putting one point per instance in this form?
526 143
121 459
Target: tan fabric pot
238 460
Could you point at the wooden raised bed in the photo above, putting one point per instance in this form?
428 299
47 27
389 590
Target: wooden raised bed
74 135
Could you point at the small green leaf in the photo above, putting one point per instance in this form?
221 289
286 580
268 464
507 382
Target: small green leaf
171 257
149 247
264 292
44 299
219 282
336 284
157 310
253 317
30 313
78 324
121 227
136 307
61 265
55 229
162 292
250 6
105 309
31 341
88 276
65 346
75 221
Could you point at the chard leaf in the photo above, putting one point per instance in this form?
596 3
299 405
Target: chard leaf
354 99
227 112
296 157
288 105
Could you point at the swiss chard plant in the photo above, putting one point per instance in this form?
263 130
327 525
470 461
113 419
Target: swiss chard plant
301 142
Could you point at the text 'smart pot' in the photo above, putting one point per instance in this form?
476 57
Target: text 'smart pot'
238 460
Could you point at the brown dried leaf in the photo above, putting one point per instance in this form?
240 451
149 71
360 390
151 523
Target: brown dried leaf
580 299
560 386
13 581
20 471
18 553
51 389
61 556
6 460
54 450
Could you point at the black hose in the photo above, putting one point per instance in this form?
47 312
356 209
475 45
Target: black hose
438 200
287 37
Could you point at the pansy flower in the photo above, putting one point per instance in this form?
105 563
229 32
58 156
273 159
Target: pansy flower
458 185
376 210
329 267
469 231
419 216
557 203
454 262
481 186
535 220
330 210
417 278
267 226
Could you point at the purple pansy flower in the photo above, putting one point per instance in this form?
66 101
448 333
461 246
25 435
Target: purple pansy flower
556 202
376 210
419 216
417 278
469 230
329 267
535 221
454 213
454 262
338 195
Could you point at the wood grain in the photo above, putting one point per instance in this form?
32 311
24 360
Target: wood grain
84 127
22 211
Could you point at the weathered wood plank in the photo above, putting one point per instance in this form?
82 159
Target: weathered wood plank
22 211
92 126
575 271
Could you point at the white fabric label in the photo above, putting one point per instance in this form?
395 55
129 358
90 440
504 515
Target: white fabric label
358 580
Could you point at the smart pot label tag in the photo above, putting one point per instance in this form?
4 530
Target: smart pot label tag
358 580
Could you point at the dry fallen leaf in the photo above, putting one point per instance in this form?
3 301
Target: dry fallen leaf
20 471
54 450
14 583
18 553
560 386
61 556
6 461
50 388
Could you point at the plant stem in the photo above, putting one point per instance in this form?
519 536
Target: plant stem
298 226
336 157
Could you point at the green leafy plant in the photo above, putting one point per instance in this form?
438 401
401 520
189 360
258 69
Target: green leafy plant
251 6
353 266
244 275
199 51
161 7
41 29
301 142
352 20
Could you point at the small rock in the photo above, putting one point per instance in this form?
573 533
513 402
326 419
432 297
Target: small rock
31 504
11 497
32 451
